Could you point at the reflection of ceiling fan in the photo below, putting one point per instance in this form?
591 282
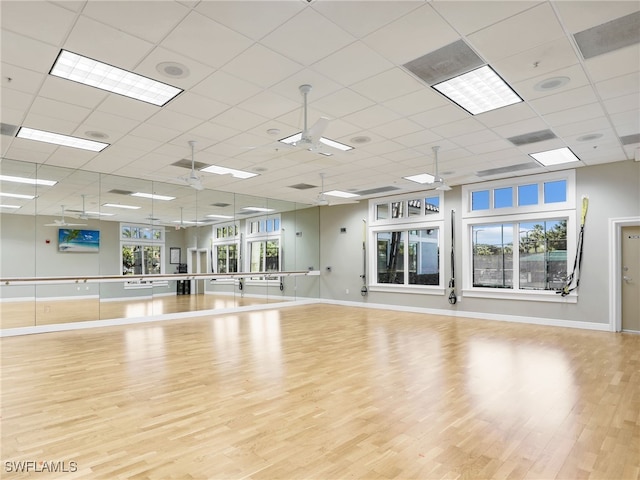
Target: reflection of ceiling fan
438 181
181 225
311 138
322 201
193 180
63 223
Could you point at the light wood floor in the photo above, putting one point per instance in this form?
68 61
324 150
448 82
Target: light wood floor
323 392
48 312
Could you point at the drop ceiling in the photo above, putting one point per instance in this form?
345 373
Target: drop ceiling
240 64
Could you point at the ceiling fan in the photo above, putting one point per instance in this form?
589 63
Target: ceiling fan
193 180
311 137
438 181
181 225
63 223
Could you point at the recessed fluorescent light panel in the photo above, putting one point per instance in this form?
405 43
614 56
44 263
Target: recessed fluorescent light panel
558 156
219 216
100 214
58 139
478 91
17 195
293 139
421 178
9 206
90 72
120 205
228 171
30 181
259 209
152 196
338 193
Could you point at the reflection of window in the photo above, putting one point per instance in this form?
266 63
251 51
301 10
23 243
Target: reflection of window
225 246
263 244
142 249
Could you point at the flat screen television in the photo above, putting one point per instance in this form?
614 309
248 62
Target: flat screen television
78 241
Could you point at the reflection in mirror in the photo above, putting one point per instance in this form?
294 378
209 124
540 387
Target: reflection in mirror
94 225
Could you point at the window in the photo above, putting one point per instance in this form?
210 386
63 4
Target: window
142 249
518 242
225 246
263 245
405 233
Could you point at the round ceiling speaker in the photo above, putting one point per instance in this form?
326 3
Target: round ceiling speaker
173 69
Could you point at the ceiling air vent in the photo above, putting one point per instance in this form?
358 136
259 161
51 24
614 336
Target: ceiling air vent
373 191
610 36
8 129
533 137
509 169
302 186
445 63
117 191
186 163
630 139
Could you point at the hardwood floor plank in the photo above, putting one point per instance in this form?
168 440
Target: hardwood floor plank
323 392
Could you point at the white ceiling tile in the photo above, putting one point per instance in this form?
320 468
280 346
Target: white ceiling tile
528 91
619 86
580 127
459 127
419 101
16 100
564 100
397 128
387 85
371 117
21 79
614 64
418 138
226 88
255 19
478 137
151 21
154 132
198 36
488 147
584 112
353 63
70 158
505 115
109 123
72 93
261 66
625 103
212 132
522 30
42 21
152 66
174 120
626 123
470 16
106 44
126 107
239 119
412 36
52 108
269 105
540 60
440 116
361 21
519 128
49 124
342 102
196 106
579 15
321 85
307 27
27 53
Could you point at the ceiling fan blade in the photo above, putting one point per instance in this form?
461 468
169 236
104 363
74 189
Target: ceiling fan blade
317 129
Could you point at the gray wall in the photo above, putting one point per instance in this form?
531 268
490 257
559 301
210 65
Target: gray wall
613 191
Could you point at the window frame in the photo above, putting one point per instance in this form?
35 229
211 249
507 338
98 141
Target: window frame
516 215
262 235
216 242
143 242
404 224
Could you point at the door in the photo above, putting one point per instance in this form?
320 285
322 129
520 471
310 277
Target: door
630 284
197 264
202 268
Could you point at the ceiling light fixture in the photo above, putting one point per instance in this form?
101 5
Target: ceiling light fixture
259 209
17 195
120 205
294 139
59 139
219 216
30 181
9 206
87 71
341 194
421 178
218 170
558 156
152 196
478 91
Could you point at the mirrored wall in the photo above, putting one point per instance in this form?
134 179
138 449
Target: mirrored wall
59 222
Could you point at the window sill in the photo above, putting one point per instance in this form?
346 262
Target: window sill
412 289
508 294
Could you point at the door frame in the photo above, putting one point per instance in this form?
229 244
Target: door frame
191 266
615 269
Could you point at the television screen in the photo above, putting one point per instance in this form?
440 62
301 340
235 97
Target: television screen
71 240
